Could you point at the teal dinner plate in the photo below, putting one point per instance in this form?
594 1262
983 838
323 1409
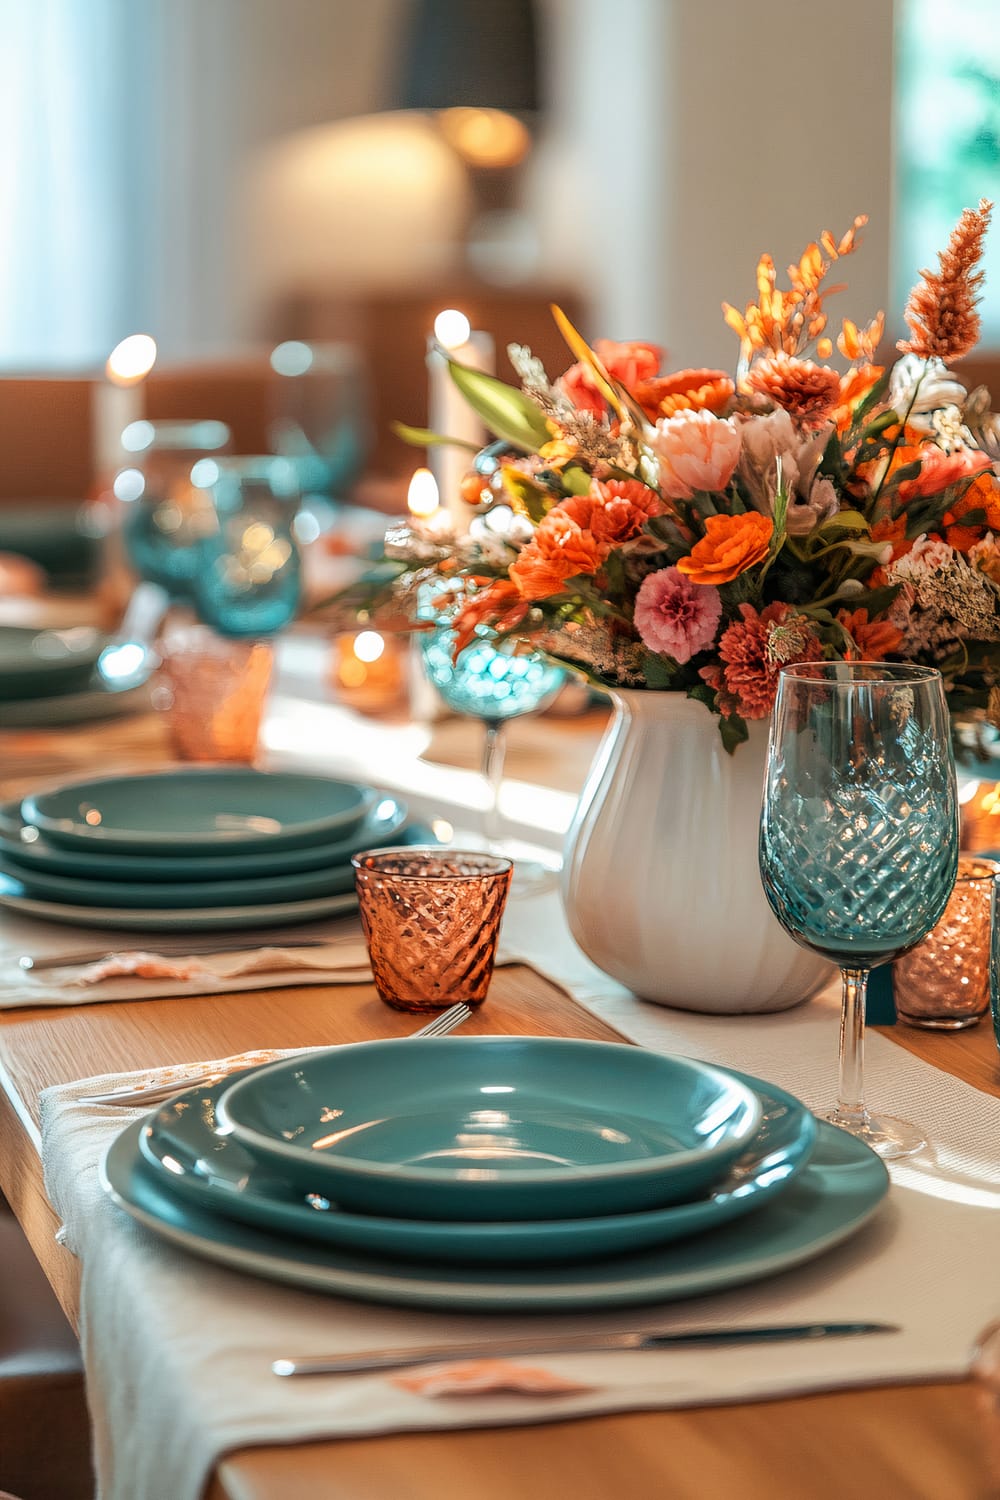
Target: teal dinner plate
835 1194
214 1172
164 919
493 1128
35 663
95 701
24 849
211 809
170 895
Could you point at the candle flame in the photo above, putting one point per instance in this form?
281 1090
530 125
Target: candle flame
368 646
131 360
452 328
422 496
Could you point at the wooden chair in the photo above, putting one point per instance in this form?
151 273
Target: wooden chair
44 1425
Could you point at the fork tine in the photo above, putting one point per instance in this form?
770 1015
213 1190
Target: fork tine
445 1022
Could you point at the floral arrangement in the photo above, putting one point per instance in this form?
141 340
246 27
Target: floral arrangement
693 531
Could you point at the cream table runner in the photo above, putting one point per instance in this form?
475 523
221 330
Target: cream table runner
178 1351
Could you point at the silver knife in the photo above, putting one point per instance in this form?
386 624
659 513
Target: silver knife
398 1359
172 948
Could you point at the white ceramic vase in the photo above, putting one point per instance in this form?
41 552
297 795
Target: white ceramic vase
660 879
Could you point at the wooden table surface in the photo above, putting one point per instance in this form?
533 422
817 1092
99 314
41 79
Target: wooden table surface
929 1442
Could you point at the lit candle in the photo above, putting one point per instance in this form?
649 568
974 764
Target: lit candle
118 400
422 498
449 412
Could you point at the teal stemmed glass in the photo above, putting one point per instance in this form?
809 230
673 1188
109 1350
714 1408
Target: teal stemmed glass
492 681
859 837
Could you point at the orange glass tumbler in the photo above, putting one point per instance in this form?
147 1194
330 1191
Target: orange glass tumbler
431 919
212 692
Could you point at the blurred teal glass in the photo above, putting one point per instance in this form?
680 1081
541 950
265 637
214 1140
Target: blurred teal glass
248 579
165 515
321 414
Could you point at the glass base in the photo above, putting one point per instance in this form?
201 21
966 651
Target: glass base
941 1023
889 1138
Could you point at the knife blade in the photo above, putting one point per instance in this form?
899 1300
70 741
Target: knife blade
635 1339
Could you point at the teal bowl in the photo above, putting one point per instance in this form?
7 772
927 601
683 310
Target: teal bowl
493 1128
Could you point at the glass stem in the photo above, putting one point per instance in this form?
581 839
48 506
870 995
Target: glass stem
494 750
851 1094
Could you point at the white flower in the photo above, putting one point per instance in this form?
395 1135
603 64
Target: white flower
938 386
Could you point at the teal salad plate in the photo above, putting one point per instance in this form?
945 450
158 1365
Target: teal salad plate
493 1128
87 891
25 849
167 919
36 663
214 1172
830 1200
211 809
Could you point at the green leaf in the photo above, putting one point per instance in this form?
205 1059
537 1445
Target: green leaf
531 499
734 731
576 480
422 437
506 411
702 693
658 670
845 522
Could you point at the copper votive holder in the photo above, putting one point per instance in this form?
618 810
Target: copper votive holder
431 919
212 692
943 983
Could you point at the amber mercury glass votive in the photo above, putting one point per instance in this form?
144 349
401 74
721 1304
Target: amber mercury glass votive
431 919
944 982
212 692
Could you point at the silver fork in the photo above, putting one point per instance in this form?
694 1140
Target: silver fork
158 1093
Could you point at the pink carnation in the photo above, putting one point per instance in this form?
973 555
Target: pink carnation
676 616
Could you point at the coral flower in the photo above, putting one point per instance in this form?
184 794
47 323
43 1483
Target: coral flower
675 616
807 391
561 549
976 512
685 390
731 544
618 509
756 647
631 363
697 451
941 311
939 469
874 639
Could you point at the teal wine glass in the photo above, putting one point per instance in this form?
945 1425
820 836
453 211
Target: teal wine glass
248 582
859 837
492 681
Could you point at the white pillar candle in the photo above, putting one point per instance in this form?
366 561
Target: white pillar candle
118 401
449 412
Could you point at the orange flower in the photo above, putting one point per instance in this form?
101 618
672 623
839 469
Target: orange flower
874 640
894 532
685 390
854 387
499 605
560 549
631 363
963 528
731 544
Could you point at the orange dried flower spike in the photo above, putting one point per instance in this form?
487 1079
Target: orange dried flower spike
941 312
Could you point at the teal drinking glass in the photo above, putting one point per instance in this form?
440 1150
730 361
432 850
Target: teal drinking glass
492 681
248 582
859 837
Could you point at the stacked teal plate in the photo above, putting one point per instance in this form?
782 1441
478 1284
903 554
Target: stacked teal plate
793 1190
51 676
201 848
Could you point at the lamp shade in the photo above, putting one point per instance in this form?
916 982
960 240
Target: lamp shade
473 53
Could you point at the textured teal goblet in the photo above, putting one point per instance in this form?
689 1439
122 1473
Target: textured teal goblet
859 837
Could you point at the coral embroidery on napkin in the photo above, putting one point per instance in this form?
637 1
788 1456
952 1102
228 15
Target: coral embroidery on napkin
142 965
475 1377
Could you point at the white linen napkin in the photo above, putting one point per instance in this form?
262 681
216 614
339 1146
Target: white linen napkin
178 1351
342 959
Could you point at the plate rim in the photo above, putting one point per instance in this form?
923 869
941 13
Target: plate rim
367 1171
482 1235
10 812
164 919
412 1290
75 833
